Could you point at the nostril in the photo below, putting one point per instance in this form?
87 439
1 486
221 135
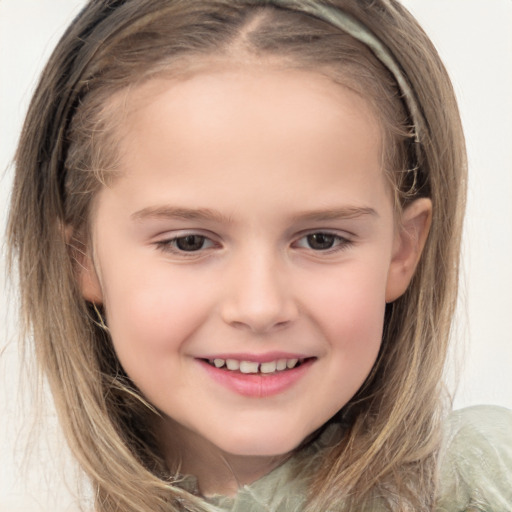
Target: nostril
264 316
260 327
258 300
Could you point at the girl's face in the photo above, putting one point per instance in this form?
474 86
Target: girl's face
246 252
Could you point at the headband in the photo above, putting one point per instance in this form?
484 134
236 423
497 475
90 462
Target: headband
347 23
89 39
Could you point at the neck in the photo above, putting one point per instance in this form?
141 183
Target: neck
217 471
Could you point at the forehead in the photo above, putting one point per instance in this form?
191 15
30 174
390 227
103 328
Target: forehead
260 101
235 69
228 134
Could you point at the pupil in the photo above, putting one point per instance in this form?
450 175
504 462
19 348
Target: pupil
321 241
190 243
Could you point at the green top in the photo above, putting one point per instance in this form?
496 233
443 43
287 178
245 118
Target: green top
475 476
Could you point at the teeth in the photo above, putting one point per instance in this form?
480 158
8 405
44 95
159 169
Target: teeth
248 367
281 364
232 364
269 367
254 367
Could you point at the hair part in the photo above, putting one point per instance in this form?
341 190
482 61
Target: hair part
69 149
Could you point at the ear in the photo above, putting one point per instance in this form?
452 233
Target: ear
88 281
85 271
408 245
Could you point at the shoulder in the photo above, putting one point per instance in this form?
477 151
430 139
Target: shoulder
476 461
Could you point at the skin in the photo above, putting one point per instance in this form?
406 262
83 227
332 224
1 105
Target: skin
255 162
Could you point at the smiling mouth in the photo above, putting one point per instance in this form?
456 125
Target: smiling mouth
270 367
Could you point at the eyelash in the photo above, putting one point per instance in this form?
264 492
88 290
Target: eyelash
339 242
171 245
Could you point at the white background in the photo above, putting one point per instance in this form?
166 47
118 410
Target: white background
474 37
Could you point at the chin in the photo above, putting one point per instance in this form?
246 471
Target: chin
258 445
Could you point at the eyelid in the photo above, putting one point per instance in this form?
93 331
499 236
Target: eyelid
166 242
173 234
345 240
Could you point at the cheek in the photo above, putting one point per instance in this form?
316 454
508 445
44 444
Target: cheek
150 313
356 315
356 337
349 311
351 303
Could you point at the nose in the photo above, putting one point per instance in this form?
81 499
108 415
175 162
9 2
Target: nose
258 295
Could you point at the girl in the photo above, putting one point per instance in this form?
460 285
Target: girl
246 219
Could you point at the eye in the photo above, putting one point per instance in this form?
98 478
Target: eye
188 243
321 241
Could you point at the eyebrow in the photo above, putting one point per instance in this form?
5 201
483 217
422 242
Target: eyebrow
350 212
170 212
206 214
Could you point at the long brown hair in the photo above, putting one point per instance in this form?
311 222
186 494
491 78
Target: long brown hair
68 150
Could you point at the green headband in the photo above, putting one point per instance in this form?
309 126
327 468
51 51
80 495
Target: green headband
88 34
360 32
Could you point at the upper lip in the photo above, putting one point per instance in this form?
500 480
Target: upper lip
257 358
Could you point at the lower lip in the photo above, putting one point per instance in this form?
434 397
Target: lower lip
257 385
